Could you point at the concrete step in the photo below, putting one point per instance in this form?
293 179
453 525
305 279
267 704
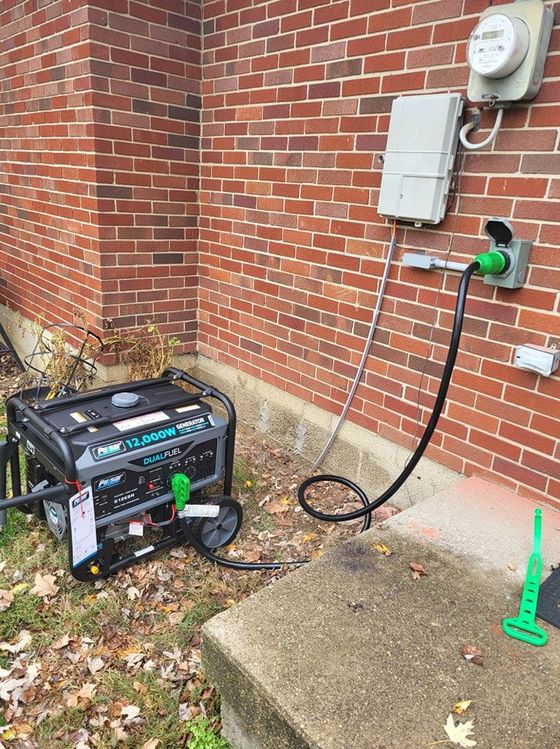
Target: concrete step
351 652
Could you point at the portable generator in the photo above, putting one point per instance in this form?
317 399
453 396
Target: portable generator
99 468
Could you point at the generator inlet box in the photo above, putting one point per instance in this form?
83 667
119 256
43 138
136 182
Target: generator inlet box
418 161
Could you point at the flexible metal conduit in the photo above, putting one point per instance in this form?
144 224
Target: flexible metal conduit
367 346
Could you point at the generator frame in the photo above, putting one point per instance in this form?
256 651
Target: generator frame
57 441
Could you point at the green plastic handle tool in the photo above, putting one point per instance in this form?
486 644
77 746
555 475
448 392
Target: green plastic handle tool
523 626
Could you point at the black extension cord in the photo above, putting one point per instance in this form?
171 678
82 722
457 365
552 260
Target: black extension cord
368 507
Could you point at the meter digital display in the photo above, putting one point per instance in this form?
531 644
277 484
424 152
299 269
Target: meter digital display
496 34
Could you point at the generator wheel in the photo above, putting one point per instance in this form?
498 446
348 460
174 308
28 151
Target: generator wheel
221 530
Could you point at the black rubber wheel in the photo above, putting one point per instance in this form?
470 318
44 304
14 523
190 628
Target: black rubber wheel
221 530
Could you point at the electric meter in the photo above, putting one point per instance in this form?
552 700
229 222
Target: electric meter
506 52
498 45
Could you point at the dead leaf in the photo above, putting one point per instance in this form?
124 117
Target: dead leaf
252 556
18 587
275 507
133 593
473 654
382 549
130 713
384 513
95 664
62 642
6 599
458 732
23 641
151 744
417 570
44 585
87 691
7 733
461 707
185 712
140 688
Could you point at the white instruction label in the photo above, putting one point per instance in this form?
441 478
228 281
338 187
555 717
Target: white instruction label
201 511
135 528
140 421
82 525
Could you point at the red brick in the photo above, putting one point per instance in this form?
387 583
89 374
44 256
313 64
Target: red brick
289 242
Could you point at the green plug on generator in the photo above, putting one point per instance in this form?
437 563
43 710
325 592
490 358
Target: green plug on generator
491 263
181 488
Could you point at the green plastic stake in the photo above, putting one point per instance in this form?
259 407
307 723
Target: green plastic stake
523 626
181 488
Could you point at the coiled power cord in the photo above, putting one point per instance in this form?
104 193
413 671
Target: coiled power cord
370 506
491 262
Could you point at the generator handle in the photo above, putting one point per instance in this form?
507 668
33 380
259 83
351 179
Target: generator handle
72 400
14 403
56 494
211 392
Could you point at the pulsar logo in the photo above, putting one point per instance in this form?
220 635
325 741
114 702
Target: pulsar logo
158 457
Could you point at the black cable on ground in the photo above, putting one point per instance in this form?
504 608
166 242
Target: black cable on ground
369 507
222 561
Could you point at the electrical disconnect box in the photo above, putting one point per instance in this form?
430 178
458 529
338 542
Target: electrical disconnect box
507 50
418 161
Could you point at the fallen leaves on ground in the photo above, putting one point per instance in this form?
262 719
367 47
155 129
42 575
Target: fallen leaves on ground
99 665
6 599
44 586
473 654
274 507
151 744
382 549
24 639
458 732
384 513
418 570
462 706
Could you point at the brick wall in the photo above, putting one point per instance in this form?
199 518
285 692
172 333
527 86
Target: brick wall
296 102
100 162
48 221
145 65
99 152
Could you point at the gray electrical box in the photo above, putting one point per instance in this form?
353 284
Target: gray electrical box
418 162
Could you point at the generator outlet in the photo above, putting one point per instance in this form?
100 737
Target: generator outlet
514 276
500 233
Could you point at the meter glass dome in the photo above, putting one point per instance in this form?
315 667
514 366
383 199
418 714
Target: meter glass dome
498 45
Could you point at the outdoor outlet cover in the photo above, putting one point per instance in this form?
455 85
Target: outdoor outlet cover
500 232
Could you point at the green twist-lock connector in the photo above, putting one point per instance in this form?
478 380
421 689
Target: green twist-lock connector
181 488
491 263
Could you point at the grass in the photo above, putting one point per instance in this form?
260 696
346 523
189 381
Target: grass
153 609
201 611
114 625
